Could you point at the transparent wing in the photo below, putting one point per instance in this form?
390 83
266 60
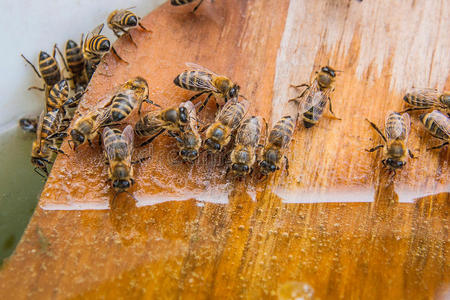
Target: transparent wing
197 67
128 136
108 148
397 126
312 97
428 96
441 121
192 114
94 32
39 126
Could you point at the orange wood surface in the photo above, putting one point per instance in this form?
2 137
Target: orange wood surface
336 226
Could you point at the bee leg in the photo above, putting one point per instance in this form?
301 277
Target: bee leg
415 108
31 64
90 143
56 150
411 154
144 28
196 7
152 138
147 101
118 56
438 147
36 169
377 130
374 148
36 88
197 95
55 47
204 103
140 160
286 165
175 136
331 109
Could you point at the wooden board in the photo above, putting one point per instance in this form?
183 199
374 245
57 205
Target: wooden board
336 227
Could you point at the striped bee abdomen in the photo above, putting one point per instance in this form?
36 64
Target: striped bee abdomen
312 116
180 2
57 95
395 123
194 80
74 57
49 68
281 133
121 107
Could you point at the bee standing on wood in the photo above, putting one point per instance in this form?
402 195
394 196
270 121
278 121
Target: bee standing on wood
243 155
279 139
76 65
131 93
206 82
421 99
183 2
229 118
173 119
438 125
316 95
118 147
396 128
121 21
85 129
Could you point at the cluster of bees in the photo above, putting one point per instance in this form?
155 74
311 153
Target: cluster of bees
247 139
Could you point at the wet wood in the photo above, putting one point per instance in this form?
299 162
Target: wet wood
338 226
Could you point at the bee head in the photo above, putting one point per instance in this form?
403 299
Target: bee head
122 184
330 71
184 115
445 99
234 91
267 167
78 138
240 169
212 145
395 164
132 20
138 83
189 154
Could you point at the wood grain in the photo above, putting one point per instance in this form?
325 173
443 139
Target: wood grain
336 227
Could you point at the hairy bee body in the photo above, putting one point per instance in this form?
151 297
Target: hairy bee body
131 94
121 20
68 111
85 129
118 148
426 99
279 138
96 45
395 137
202 80
438 125
218 134
243 155
76 65
49 69
57 95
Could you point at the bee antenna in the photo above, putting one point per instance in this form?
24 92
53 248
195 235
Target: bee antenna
242 96
70 142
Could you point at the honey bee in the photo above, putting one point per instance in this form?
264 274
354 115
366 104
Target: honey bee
229 118
206 82
396 128
48 69
68 109
173 119
421 99
183 2
121 21
85 129
438 125
40 156
243 155
316 95
188 138
76 65
131 93
118 149
28 124
57 95
279 138
97 45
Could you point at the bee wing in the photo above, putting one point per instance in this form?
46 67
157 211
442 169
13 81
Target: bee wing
197 67
429 96
97 29
311 98
39 126
441 121
396 127
192 114
110 153
128 136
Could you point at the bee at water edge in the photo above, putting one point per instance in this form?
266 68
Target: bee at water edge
396 131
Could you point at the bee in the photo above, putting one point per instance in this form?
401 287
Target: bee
40 156
172 119
76 65
68 109
206 82
438 125
396 131
188 139
97 45
316 95
131 93
279 138
421 99
118 149
183 2
121 21
28 124
57 95
243 155
85 129
48 69
229 118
